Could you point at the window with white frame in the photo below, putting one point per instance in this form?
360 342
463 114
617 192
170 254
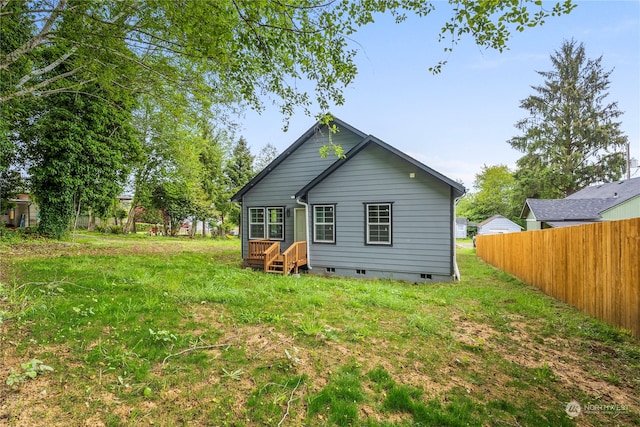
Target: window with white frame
324 221
378 223
266 223
275 223
256 223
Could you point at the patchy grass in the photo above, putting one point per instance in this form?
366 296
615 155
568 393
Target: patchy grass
166 331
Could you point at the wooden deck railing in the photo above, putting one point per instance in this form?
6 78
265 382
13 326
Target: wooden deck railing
266 254
270 254
295 256
257 248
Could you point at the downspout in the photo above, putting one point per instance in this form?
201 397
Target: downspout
456 271
306 219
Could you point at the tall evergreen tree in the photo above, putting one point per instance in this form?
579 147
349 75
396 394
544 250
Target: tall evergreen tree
267 154
239 169
571 138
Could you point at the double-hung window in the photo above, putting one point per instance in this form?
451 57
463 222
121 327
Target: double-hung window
275 223
378 223
256 223
266 223
324 221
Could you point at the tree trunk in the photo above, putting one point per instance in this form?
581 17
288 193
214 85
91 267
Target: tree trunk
192 229
92 221
131 219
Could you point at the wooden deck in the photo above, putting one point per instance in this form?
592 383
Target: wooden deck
266 255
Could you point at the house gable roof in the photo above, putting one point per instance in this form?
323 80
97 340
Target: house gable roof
458 188
493 218
462 221
488 220
617 192
584 205
293 147
567 209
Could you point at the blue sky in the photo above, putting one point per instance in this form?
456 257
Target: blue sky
461 119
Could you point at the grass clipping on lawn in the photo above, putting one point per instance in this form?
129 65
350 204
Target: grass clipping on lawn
162 331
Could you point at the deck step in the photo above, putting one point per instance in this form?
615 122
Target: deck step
277 266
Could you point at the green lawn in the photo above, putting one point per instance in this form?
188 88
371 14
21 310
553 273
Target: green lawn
163 331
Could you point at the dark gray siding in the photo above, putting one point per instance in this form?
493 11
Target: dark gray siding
421 219
303 165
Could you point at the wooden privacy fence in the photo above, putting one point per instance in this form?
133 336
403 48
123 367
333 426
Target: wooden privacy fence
594 267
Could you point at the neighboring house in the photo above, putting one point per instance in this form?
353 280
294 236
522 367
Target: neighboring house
461 228
374 213
498 224
603 202
24 213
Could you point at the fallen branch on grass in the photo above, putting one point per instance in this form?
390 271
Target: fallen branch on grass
200 347
289 401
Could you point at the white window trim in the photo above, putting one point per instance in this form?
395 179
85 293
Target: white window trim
267 218
333 223
368 224
264 230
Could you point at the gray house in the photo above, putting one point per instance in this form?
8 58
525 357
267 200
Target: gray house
461 228
498 224
602 202
374 213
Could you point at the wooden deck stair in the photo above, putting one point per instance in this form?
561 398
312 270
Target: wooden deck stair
277 265
266 254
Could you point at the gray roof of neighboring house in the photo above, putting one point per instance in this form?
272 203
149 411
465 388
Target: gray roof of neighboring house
586 204
617 192
463 221
494 217
567 209
480 224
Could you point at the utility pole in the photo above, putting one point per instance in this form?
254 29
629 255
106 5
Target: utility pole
632 163
628 160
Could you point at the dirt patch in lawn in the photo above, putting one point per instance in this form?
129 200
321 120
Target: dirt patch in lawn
561 357
565 361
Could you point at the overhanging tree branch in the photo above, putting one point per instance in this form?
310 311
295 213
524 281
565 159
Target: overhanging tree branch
36 40
41 71
43 84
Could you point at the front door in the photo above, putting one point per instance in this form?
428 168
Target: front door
300 225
